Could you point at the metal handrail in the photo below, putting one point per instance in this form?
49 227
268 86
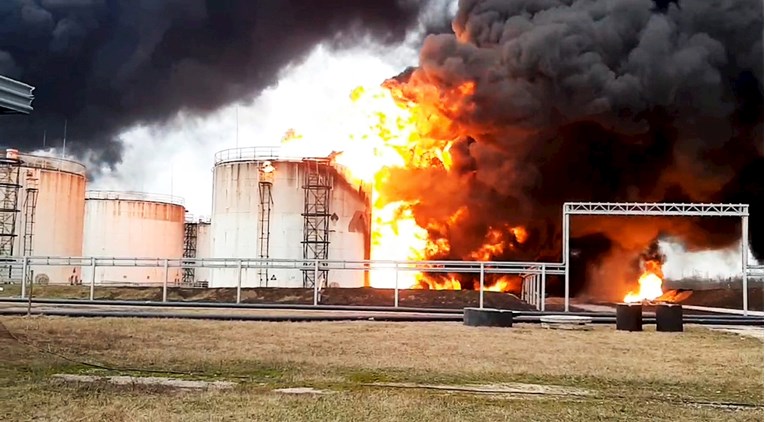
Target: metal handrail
260 153
134 196
53 163
475 267
197 219
533 274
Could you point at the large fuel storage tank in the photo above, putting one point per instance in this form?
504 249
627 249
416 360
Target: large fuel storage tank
42 212
130 225
269 206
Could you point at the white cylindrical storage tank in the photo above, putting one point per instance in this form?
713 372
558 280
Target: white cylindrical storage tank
269 206
51 225
133 225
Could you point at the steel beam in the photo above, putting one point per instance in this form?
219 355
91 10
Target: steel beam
654 209
657 208
744 262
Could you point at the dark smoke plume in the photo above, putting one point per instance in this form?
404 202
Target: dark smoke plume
653 253
106 65
601 100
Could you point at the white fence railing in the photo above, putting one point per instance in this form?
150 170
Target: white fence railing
533 289
536 270
533 274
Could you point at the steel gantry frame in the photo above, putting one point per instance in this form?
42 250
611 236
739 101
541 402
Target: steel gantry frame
316 214
9 200
661 210
190 234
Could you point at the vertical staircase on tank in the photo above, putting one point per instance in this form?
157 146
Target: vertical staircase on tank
9 202
317 185
265 183
190 232
30 207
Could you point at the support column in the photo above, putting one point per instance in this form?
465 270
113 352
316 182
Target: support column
745 262
395 292
239 281
542 295
92 277
164 283
316 282
566 263
24 277
480 293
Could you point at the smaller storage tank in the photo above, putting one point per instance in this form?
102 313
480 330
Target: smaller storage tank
133 225
47 197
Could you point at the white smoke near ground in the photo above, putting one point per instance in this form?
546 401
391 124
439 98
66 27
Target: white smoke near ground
706 265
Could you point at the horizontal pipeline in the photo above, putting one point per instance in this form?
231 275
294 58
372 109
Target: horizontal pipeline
349 308
275 263
309 318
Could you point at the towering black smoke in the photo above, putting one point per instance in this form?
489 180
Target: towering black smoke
599 100
104 65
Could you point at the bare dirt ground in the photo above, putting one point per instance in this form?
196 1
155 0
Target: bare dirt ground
373 371
456 299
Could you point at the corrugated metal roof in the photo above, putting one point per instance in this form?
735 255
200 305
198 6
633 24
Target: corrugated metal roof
15 97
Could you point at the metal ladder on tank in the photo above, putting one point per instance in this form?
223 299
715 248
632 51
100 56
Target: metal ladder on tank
316 215
190 229
30 206
9 201
266 202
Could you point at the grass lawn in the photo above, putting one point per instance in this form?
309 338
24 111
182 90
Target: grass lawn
629 376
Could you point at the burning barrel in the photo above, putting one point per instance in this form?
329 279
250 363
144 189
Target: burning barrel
669 317
629 317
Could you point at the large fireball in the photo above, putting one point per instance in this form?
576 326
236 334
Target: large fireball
389 130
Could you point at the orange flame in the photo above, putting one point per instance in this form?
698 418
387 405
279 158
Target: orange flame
407 126
497 242
504 284
447 282
650 284
432 283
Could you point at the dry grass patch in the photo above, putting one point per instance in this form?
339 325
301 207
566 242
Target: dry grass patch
626 372
120 404
441 347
